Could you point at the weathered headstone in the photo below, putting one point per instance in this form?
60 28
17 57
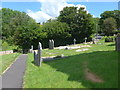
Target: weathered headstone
31 50
39 54
114 37
35 57
51 44
85 39
74 41
118 43
93 41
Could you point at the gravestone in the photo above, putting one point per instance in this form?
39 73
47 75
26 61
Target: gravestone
118 43
74 41
35 57
51 44
93 41
38 55
31 50
85 39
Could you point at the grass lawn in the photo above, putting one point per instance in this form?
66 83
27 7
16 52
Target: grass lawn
6 60
102 60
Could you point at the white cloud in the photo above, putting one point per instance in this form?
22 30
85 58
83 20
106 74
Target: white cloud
50 9
0 8
39 16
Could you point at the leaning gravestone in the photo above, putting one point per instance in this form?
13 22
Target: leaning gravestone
118 42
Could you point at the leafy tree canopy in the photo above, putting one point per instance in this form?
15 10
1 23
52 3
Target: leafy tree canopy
80 22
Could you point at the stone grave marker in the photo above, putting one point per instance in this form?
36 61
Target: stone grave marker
93 41
85 39
74 41
51 44
35 57
38 55
118 43
31 50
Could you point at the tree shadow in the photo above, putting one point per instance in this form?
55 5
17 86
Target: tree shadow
102 63
111 45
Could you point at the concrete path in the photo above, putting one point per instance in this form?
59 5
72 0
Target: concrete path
13 77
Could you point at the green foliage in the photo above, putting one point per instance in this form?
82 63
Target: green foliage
109 25
96 26
18 28
57 31
109 38
107 14
80 22
118 34
5 46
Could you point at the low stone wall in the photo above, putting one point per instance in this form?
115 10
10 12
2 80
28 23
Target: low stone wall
6 52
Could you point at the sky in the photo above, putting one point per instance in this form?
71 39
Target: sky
42 10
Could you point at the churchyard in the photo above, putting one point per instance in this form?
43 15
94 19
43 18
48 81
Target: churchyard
91 66
73 50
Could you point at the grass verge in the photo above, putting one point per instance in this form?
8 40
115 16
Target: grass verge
6 60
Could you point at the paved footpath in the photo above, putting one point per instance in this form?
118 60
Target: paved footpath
13 77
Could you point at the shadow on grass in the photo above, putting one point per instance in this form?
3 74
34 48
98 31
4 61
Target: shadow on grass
102 63
111 45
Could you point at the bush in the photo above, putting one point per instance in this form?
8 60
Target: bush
118 35
110 39
5 46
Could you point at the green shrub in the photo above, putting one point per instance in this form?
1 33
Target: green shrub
109 39
118 35
5 46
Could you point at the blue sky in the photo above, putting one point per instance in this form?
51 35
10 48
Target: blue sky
41 11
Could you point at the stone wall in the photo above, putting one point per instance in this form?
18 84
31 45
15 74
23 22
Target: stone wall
6 52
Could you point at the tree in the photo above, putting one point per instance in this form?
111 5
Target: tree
18 28
80 22
97 26
109 25
57 31
114 14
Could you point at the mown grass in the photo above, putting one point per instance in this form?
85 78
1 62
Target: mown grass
6 60
69 72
